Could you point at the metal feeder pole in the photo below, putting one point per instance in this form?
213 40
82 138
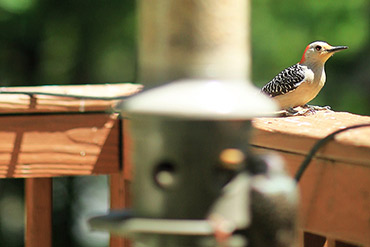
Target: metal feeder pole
205 39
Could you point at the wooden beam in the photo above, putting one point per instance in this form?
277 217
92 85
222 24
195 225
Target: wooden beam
313 240
330 243
48 143
38 212
334 201
120 183
120 199
56 145
298 134
335 187
21 103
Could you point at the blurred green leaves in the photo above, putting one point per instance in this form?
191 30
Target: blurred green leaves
16 6
67 42
59 48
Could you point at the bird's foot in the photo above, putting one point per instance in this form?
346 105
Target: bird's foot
289 112
318 108
302 110
292 111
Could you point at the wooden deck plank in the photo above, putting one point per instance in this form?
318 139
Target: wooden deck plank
56 145
335 188
10 103
334 198
298 134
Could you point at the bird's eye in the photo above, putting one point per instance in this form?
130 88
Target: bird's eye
318 48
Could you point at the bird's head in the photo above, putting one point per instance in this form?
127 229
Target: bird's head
318 52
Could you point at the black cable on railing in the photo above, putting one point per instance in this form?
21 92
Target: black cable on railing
318 145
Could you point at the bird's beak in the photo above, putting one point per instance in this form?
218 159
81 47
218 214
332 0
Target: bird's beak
336 48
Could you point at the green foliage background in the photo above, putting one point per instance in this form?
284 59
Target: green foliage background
77 42
282 29
86 41
93 41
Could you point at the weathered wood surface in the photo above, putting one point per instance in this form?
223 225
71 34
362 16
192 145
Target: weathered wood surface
15 103
55 145
120 185
81 139
335 189
38 212
298 134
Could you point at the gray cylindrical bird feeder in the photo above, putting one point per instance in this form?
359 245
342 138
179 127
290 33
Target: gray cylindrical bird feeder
180 131
193 39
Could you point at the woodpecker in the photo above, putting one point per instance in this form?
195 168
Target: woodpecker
300 83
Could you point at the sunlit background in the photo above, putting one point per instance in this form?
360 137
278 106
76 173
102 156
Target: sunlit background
85 41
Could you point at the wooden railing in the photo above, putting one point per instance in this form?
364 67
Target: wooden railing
335 189
47 136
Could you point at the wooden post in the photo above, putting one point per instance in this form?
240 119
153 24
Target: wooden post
313 240
193 39
120 194
119 187
38 212
330 243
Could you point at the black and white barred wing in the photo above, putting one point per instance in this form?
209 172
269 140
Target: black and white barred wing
286 81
